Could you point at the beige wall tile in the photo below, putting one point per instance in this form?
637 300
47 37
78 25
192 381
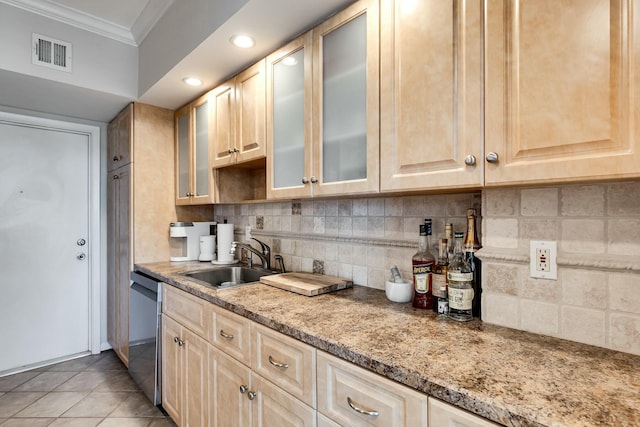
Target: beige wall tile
539 202
538 289
539 229
501 278
625 333
624 292
501 202
582 236
624 237
501 233
500 309
582 200
583 325
393 206
584 288
624 199
539 317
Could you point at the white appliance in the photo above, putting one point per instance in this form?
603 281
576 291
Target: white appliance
185 239
207 248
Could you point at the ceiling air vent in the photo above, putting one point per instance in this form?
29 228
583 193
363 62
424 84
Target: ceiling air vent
51 53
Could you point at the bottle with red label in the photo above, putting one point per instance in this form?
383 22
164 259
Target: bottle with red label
423 263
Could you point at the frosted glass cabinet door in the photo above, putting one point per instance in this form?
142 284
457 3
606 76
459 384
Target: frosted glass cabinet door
346 155
183 183
288 119
201 147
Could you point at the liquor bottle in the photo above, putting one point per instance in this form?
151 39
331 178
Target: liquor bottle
440 276
460 289
471 245
448 234
423 263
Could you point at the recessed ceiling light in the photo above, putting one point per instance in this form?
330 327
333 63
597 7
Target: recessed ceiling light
242 41
192 81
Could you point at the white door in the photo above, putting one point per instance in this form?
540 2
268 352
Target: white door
45 230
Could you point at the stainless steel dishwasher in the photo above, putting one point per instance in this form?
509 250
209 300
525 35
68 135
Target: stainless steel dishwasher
145 334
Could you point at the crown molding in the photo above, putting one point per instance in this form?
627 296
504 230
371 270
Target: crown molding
134 36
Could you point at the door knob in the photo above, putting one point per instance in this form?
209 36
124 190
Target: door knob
81 256
81 242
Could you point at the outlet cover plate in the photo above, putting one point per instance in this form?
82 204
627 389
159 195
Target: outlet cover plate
547 267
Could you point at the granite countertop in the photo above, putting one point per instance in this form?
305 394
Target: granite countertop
511 377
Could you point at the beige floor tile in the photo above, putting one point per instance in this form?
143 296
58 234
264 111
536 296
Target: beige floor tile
162 422
45 381
76 422
125 422
27 422
13 402
85 381
118 381
97 404
53 404
136 405
75 365
10 382
109 362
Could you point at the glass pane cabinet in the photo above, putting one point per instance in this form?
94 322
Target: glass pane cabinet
322 101
194 175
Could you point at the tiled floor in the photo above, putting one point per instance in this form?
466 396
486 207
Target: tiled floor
86 392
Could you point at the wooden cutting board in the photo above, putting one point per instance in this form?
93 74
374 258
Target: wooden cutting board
307 284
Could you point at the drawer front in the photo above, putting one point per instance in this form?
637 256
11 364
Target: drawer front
352 396
443 414
188 310
326 422
230 333
288 363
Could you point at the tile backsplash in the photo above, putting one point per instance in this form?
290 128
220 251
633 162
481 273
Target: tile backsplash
595 300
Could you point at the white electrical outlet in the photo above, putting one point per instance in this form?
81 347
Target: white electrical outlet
543 259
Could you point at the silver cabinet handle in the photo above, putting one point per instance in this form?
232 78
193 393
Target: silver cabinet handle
229 151
305 180
225 335
243 389
360 410
252 395
492 157
178 341
314 179
278 364
470 160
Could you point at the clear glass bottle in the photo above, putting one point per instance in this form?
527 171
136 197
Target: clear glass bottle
423 262
470 246
440 274
460 289
448 234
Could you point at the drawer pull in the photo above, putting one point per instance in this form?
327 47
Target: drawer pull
360 410
225 335
278 364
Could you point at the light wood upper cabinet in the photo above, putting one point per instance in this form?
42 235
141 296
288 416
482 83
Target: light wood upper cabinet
323 109
431 95
194 175
120 139
562 90
238 118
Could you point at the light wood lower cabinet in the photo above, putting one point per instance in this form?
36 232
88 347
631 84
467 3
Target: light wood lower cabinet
228 405
443 414
185 370
352 396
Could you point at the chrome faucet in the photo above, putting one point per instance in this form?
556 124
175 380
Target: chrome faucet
264 254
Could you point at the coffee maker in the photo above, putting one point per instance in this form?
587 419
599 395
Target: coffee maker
185 239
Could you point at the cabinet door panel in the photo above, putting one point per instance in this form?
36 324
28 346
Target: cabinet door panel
431 94
272 407
196 380
346 102
201 149
289 93
561 84
171 369
250 113
228 406
223 123
183 157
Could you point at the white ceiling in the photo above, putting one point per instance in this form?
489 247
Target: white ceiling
270 22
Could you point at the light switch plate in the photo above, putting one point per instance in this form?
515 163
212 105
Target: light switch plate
542 257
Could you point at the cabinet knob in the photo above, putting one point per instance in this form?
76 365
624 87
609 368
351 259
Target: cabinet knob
305 180
116 177
243 389
252 395
235 150
492 157
230 151
470 160
115 158
314 179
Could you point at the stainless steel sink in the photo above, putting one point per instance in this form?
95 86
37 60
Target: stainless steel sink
224 277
